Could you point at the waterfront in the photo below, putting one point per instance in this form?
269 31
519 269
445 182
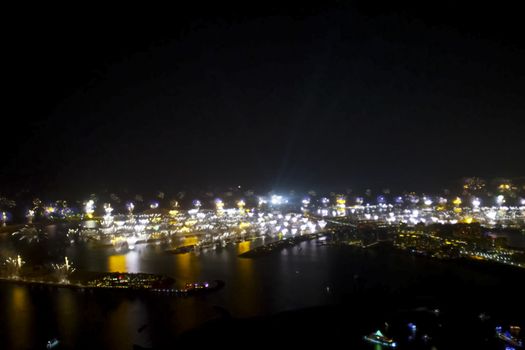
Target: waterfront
297 277
324 175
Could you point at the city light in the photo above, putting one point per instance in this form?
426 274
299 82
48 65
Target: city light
504 187
327 173
89 208
108 209
277 200
4 218
241 204
130 206
219 204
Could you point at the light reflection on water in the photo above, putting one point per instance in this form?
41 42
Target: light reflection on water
117 263
122 324
186 266
295 278
129 262
67 314
19 316
248 284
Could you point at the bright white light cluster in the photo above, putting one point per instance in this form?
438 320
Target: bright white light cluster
219 225
89 208
425 212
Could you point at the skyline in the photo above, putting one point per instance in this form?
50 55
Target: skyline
224 173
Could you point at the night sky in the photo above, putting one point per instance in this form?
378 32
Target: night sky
328 96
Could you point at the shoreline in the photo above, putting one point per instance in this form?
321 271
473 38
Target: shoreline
277 246
167 289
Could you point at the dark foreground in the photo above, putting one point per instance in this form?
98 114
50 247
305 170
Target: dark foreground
452 326
340 294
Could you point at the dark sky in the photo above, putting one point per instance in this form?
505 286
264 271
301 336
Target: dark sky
333 95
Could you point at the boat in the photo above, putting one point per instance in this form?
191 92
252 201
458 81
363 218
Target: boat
426 337
199 287
52 343
508 338
379 338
